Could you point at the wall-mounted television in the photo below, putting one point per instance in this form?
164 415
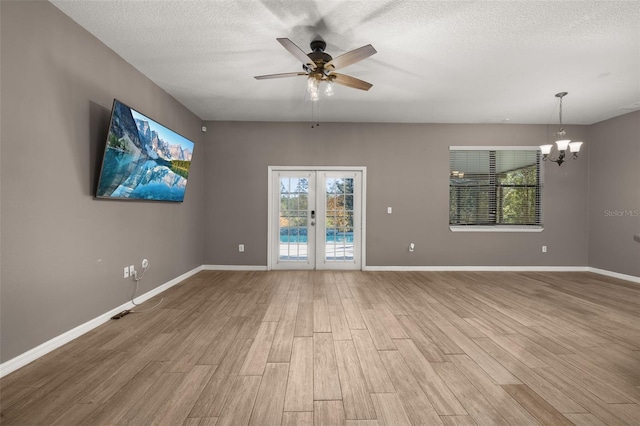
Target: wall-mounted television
143 160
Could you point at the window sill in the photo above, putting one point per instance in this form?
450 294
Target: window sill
498 228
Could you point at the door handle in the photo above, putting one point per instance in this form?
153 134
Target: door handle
312 223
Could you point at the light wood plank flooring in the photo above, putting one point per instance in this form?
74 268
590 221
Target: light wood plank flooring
351 348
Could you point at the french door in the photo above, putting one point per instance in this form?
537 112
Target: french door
316 219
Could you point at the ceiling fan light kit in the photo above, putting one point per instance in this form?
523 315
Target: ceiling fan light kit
314 90
319 66
561 144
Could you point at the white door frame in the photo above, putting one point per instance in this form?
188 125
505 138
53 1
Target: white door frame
363 222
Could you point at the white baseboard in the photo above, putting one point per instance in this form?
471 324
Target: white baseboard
625 277
479 268
234 267
48 346
615 275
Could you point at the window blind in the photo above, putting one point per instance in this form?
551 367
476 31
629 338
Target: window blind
495 186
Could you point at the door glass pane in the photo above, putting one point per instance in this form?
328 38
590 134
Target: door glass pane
339 219
294 195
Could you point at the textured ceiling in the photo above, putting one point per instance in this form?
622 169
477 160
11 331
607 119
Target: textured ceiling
437 61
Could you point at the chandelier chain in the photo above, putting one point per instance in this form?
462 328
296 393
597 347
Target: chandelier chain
561 114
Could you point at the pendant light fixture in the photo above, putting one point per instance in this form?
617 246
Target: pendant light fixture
562 143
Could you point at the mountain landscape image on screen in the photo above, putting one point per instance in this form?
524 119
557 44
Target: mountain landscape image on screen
143 159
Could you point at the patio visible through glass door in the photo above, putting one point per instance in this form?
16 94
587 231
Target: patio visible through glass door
316 219
340 227
296 206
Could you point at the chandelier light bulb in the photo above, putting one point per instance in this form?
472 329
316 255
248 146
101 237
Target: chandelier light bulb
574 147
546 149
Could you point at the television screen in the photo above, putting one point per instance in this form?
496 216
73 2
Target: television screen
143 160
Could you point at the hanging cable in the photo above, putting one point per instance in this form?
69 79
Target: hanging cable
135 290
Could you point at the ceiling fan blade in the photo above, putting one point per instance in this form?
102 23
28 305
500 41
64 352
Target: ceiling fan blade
349 81
297 52
350 57
281 75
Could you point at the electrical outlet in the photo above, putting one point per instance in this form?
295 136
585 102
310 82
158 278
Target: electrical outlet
145 263
412 247
126 272
241 248
389 210
132 270
544 249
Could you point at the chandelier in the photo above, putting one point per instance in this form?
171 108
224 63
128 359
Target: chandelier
561 143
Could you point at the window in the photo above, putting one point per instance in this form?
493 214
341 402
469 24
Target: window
495 188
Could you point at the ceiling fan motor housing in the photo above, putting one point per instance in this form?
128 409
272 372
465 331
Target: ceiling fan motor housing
318 56
318 45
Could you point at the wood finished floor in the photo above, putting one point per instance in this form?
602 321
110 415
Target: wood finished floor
354 348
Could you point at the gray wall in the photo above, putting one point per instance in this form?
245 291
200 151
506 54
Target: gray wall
407 168
63 252
614 189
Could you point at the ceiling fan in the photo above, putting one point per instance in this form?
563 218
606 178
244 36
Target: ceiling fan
319 66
